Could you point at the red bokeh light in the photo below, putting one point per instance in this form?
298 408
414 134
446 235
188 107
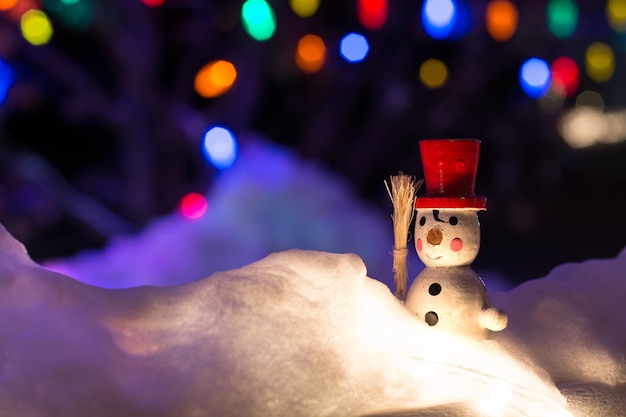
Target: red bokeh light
373 13
193 206
565 76
153 3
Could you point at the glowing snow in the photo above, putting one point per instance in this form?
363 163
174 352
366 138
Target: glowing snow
299 333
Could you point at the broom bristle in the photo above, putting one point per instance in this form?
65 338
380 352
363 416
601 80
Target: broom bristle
402 194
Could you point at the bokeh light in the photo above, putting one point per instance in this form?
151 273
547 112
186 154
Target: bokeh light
616 14
565 76
7 4
439 17
535 77
220 147
215 78
462 21
36 27
589 98
372 13
19 8
193 206
75 14
501 17
585 126
304 8
310 53
153 3
599 62
6 80
259 19
562 17
354 47
433 73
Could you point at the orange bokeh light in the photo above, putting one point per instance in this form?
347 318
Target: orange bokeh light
215 78
310 53
501 19
16 8
7 4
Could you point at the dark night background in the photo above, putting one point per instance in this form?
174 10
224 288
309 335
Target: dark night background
101 130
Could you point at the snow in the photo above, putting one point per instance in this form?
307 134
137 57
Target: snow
274 331
301 333
269 201
579 308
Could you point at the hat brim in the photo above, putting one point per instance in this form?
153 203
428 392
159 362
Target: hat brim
469 202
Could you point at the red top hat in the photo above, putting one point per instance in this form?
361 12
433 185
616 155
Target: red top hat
450 167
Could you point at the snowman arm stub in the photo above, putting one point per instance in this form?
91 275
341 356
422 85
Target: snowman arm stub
494 319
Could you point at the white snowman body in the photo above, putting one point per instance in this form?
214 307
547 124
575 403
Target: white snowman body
447 294
450 299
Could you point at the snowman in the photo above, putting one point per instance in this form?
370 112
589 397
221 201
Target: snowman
448 295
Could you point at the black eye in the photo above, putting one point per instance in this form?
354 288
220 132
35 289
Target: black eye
453 220
422 221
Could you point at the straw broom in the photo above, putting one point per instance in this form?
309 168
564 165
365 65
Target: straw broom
402 193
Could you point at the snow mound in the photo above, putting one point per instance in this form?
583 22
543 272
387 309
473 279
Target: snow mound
269 201
571 325
571 322
298 333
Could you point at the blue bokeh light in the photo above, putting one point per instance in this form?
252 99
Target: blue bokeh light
6 80
535 77
439 17
220 147
463 22
354 47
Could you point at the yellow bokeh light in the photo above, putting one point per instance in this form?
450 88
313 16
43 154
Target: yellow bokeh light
599 62
36 27
310 53
501 19
215 78
304 8
616 14
433 73
7 4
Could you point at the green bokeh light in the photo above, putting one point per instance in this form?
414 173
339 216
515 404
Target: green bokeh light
75 14
562 17
258 19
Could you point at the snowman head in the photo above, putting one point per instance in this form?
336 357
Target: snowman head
447 237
